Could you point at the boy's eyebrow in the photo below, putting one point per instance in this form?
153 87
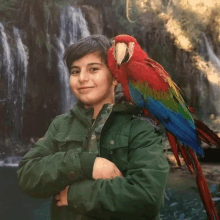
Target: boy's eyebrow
89 64
74 67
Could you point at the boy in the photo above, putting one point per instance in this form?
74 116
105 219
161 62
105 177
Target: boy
101 161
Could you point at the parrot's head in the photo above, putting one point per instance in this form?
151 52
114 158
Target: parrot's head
126 48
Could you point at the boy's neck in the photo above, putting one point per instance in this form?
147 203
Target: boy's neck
97 109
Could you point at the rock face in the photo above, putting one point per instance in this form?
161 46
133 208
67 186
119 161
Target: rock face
96 22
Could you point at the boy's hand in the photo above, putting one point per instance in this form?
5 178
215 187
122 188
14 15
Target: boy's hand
102 169
61 197
105 169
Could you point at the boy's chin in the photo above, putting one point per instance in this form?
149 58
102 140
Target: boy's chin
88 106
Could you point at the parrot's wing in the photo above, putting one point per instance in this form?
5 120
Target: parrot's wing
153 81
161 98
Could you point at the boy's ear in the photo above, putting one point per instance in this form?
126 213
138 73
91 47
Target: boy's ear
115 82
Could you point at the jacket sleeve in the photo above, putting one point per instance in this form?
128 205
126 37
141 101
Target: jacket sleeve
44 171
140 193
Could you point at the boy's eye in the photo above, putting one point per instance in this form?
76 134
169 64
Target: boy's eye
94 69
74 72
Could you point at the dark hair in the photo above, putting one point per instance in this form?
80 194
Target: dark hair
91 44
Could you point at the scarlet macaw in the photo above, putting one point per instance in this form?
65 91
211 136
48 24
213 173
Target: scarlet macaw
147 85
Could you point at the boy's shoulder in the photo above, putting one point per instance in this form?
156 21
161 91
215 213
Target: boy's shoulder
132 119
61 118
140 118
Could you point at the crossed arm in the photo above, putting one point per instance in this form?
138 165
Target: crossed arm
102 169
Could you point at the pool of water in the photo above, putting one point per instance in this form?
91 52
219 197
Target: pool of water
182 200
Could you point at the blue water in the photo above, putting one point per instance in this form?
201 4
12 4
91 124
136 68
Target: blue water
14 204
179 204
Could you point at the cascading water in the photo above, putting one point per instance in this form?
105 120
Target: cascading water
73 26
7 68
212 57
21 63
6 59
213 77
19 85
14 68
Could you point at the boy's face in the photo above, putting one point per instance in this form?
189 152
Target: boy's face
91 81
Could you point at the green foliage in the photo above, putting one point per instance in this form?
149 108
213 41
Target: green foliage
122 23
7 9
186 20
6 4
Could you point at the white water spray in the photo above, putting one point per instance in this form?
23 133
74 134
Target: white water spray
212 57
22 64
7 61
14 67
72 27
213 77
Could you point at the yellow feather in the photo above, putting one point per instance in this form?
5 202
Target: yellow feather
173 86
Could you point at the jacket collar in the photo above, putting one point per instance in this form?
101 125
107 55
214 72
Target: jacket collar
85 114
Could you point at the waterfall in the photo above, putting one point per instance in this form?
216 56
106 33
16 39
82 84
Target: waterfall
22 64
72 27
14 68
7 70
20 71
6 59
213 77
212 57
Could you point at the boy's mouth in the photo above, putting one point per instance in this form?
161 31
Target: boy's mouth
85 88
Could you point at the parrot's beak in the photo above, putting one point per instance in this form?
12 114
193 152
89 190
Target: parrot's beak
120 52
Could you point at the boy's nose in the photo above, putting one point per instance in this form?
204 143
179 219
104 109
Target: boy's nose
83 76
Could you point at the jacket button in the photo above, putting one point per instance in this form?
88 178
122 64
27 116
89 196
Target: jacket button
71 175
112 142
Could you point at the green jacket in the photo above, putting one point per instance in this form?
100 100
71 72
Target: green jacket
62 158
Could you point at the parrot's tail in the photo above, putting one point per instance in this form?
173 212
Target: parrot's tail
194 167
206 134
203 188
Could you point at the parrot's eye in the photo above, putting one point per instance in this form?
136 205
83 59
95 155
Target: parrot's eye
126 58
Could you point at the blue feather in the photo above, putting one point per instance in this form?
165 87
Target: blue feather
182 129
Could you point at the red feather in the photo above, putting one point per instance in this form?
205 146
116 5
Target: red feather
204 132
173 143
151 76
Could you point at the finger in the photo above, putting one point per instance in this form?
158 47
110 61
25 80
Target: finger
59 204
66 189
115 175
118 172
57 197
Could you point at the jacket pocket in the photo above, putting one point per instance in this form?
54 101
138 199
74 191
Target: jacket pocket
115 149
69 142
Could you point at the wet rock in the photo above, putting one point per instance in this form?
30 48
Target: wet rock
95 19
